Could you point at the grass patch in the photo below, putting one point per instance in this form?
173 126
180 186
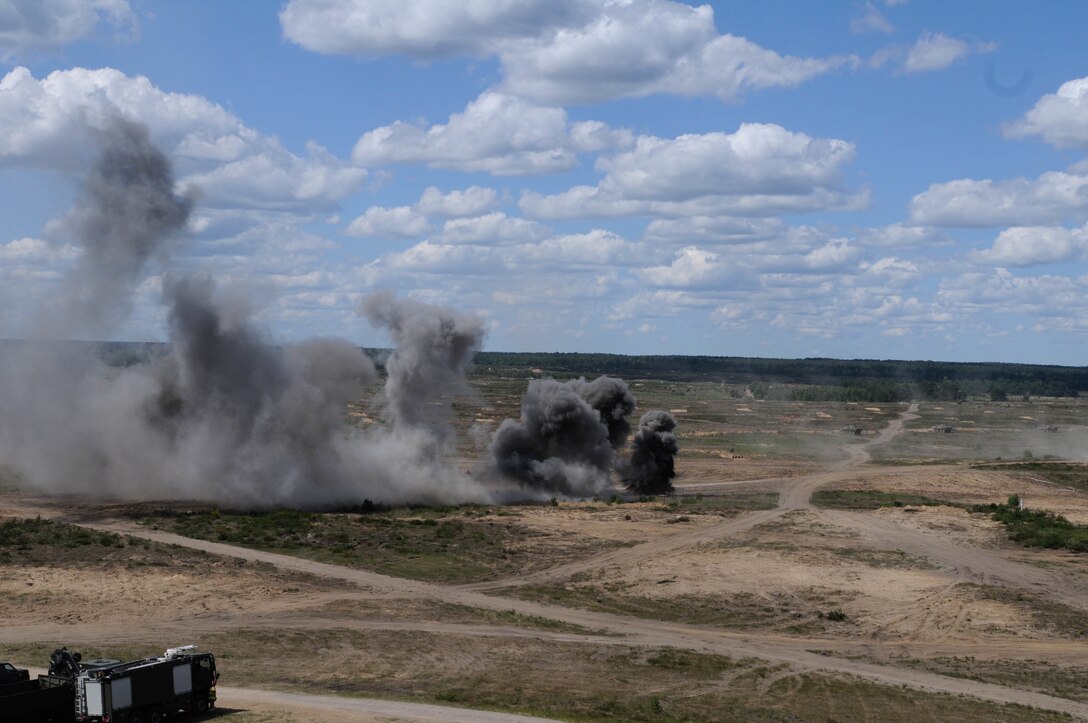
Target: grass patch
515 619
1065 474
1037 528
1063 681
26 533
56 544
1059 618
796 614
461 544
722 504
870 499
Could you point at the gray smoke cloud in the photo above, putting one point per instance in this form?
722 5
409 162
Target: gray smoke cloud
564 441
434 348
225 416
651 467
128 213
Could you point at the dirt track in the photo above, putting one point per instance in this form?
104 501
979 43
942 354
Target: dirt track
957 561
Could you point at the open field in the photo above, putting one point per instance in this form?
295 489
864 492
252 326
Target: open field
799 574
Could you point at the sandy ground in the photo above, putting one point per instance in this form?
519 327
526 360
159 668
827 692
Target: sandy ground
912 580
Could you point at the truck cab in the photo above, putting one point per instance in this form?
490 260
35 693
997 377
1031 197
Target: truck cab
10 674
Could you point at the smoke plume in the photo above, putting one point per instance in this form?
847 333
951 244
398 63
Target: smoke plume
565 439
613 401
225 416
434 347
127 213
650 468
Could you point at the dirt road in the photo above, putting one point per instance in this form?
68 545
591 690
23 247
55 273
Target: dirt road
333 709
339 709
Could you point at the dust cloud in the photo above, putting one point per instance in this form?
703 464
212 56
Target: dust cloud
225 416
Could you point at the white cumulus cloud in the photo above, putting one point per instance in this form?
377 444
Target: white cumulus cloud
423 29
34 25
1059 118
640 48
931 52
399 222
559 51
1051 198
51 123
492 228
496 133
1032 245
472 201
761 169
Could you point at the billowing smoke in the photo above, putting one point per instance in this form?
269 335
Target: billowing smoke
650 469
564 441
615 403
434 347
224 416
127 214
228 410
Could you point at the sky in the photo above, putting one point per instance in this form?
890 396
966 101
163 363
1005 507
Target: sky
885 179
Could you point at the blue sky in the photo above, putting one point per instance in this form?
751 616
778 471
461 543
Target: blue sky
855 179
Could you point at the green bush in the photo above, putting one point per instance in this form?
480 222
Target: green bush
1037 528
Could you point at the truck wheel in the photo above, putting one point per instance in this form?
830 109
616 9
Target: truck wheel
136 717
200 705
155 716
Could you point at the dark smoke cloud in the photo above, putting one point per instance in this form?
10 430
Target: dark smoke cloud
224 416
564 442
127 213
611 398
650 468
434 347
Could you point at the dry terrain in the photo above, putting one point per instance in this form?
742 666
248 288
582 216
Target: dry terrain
798 574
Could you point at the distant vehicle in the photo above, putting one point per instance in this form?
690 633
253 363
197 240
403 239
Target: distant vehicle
10 674
112 691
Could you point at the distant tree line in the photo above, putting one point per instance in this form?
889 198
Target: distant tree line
813 379
833 379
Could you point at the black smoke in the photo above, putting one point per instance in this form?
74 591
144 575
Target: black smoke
613 401
564 441
651 467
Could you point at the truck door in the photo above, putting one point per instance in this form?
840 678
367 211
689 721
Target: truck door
183 678
93 697
121 694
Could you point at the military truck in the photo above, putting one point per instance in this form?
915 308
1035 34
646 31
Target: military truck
112 691
143 691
